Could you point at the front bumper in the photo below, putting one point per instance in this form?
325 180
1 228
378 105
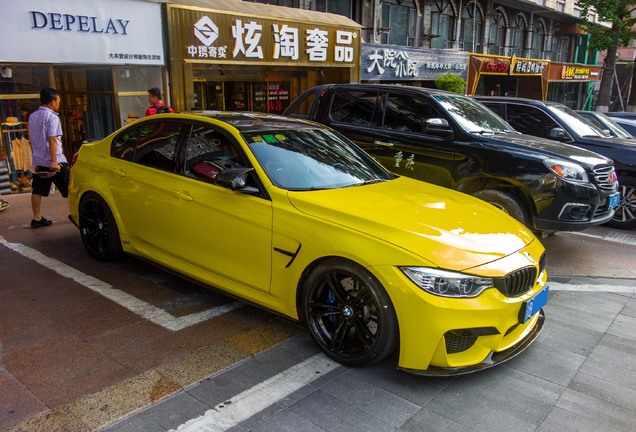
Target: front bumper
493 359
440 335
566 206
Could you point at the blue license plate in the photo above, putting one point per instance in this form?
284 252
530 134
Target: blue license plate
614 199
530 307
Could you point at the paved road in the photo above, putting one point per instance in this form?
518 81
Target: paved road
84 344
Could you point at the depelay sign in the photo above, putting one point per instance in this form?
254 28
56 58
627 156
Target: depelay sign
86 32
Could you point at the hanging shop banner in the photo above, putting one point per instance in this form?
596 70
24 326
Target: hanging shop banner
483 64
112 32
569 72
234 38
400 63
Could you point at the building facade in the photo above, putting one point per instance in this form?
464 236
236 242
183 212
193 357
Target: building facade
410 34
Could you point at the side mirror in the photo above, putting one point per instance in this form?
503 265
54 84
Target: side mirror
557 133
439 127
233 178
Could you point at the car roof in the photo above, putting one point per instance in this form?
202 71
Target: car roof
384 87
525 101
253 121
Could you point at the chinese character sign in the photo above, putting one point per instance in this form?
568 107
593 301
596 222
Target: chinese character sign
285 41
228 37
406 63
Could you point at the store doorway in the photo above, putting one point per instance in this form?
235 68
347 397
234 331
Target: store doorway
88 105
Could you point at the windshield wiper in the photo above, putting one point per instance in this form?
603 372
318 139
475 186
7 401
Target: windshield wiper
366 182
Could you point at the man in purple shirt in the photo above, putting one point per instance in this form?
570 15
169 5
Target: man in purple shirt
51 167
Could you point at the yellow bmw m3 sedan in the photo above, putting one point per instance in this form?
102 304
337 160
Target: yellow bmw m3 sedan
292 216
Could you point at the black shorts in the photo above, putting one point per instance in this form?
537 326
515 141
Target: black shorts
42 186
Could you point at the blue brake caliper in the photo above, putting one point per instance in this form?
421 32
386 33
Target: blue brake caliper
331 300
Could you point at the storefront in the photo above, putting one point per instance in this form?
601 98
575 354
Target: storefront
406 65
101 56
573 85
490 75
242 56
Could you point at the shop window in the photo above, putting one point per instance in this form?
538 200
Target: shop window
442 24
561 50
277 97
398 23
340 7
497 39
236 96
538 40
24 83
259 96
471 33
132 84
208 95
518 32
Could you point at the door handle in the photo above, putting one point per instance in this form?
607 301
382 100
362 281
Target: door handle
383 144
183 196
117 172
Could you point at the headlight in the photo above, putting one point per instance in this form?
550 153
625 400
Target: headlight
567 170
446 283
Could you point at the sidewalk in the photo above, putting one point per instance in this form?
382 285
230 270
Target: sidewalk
73 359
580 375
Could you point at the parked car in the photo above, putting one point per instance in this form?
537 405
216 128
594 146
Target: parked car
292 216
607 124
622 114
453 141
626 119
556 121
628 124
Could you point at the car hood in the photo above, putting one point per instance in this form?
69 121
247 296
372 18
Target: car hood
448 228
609 142
551 148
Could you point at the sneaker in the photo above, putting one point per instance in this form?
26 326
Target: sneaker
3 204
40 223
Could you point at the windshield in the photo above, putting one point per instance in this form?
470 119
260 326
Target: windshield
609 124
575 122
311 159
472 116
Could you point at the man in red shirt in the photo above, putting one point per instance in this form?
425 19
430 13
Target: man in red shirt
156 104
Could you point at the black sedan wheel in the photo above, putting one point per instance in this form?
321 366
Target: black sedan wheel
349 314
625 214
507 202
98 229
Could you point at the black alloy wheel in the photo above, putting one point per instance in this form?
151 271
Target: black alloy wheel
98 229
625 213
349 314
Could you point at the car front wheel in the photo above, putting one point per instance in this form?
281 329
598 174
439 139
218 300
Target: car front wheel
349 314
625 214
98 229
507 202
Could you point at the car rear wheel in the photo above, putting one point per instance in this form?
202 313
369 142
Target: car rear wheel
507 202
98 229
349 314
625 214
